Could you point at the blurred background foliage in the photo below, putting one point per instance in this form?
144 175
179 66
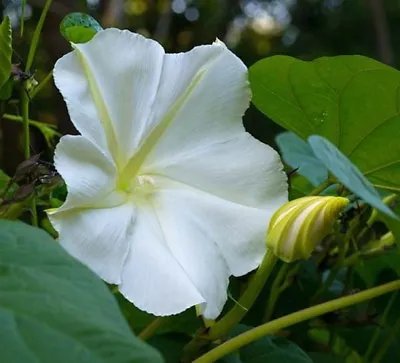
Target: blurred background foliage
253 29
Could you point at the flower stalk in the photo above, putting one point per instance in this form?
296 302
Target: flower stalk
378 329
41 85
151 329
239 310
36 35
222 327
282 281
276 325
25 96
27 152
324 185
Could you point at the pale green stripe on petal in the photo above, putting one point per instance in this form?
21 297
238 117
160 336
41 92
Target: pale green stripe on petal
101 107
137 160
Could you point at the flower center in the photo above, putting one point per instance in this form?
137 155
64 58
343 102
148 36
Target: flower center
143 184
140 187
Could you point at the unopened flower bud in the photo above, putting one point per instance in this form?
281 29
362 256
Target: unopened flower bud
298 226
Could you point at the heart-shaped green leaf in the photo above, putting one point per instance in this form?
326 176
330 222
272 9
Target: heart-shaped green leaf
353 101
79 27
5 50
53 309
347 173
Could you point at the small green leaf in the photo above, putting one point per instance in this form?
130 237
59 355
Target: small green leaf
269 349
298 154
353 101
79 27
53 309
5 50
347 173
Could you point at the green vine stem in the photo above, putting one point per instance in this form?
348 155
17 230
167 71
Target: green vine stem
151 329
386 344
39 125
372 247
375 215
278 324
222 327
236 314
27 151
25 96
276 290
22 18
25 120
36 35
320 188
387 187
342 242
378 329
41 85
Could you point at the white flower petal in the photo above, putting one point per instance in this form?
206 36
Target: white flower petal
109 85
195 249
241 170
237 230
90 177
152 278
208 237
216 94
99 238
201 99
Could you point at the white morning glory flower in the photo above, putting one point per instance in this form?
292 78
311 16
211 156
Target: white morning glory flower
168 195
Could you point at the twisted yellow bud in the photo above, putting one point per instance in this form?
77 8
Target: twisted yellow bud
298 226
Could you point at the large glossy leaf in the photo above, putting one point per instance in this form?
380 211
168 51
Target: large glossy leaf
269 349
347 173
298 154
53 309
5 51
79 27
353 101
